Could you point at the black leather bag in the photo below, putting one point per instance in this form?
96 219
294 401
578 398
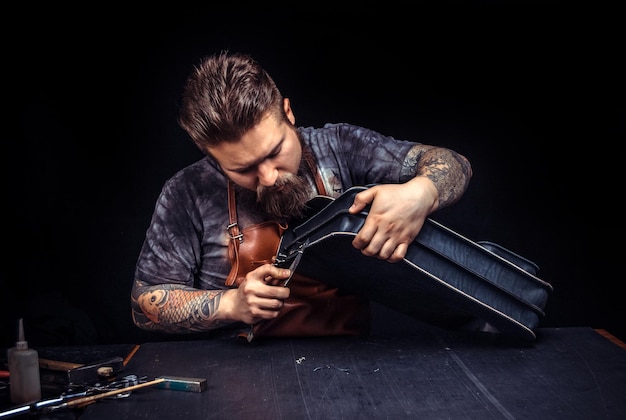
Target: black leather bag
445 279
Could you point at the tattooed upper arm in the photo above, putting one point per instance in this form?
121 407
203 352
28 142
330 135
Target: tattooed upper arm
447 169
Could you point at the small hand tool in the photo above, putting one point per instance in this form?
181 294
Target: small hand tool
116 389
281 259
82 401
94 372
78 374
73 400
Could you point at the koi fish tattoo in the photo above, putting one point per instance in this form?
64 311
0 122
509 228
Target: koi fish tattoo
175 308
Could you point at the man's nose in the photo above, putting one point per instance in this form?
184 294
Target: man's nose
267 174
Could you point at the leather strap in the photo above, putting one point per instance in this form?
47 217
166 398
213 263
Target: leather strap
319 184
236 237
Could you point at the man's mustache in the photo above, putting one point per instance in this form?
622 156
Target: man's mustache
285 199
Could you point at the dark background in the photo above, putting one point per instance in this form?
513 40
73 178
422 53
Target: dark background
531 92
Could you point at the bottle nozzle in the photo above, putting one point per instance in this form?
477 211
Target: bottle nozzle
21 341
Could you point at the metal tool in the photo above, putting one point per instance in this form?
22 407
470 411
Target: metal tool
95 372
79 374
117 389
282 259
82 401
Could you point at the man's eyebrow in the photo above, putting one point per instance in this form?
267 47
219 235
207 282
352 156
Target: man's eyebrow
251 165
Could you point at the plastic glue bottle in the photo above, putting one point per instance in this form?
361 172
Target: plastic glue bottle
24 379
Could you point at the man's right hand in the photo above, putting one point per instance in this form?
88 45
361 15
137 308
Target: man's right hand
259 296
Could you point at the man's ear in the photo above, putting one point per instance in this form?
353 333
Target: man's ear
288 111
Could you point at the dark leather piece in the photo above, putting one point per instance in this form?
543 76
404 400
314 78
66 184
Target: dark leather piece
445 278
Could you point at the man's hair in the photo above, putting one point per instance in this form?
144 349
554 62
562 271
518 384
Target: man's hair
225 96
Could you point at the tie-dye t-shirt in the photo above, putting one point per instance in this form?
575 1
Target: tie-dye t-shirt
187 241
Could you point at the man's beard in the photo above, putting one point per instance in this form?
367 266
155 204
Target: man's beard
287 198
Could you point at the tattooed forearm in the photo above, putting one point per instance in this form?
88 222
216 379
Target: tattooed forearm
175 308
448 170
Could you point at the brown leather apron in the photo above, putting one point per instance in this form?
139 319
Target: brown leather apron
313 308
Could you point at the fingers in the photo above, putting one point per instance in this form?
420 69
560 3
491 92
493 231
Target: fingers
268 274
380 247
362 199
382 239
394 220
399 253
263 282
258 297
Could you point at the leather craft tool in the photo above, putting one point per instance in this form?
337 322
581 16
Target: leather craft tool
94 372
79 374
